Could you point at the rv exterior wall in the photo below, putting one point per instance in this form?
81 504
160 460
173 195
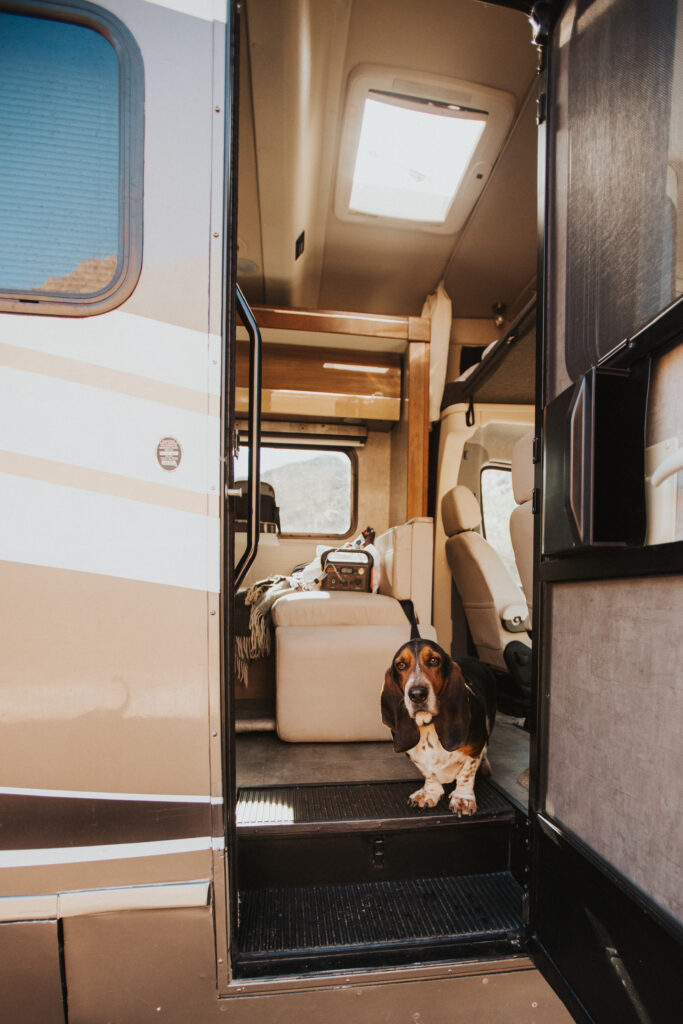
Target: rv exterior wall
111 558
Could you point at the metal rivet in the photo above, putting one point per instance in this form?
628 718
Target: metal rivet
215 234
218 110
214 733
213 611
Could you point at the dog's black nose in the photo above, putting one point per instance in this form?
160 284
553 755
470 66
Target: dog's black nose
417 694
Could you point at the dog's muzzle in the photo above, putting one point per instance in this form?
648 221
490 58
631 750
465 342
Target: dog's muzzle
419 696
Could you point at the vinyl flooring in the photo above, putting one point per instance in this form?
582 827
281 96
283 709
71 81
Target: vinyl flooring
264 760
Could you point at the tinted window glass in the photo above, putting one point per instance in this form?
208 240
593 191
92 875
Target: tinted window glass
313 488
59 158
497 503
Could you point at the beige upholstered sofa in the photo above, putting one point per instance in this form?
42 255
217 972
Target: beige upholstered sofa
333 648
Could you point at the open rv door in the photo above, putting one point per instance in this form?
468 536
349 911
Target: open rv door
606 843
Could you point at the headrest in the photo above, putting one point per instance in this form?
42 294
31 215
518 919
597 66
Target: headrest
460 510
523 468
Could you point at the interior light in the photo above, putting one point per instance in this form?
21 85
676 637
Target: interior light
328 394
355 368
411 157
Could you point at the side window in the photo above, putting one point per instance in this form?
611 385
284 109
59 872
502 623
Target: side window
313 488
70 162
497 503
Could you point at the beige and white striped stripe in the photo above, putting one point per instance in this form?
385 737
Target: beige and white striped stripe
83 406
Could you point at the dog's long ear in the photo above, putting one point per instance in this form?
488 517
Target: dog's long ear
453 721
394 714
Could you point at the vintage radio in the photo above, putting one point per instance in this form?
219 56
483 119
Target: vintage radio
346 569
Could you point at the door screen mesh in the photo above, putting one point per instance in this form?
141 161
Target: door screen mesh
616 223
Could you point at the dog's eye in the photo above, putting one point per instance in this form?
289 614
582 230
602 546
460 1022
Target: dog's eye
434 660
400 665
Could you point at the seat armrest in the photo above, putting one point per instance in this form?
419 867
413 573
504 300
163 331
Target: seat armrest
514 618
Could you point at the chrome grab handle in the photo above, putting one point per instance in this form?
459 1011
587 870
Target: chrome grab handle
254 475
575 484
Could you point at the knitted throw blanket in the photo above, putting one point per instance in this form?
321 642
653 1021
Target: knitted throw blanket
254 625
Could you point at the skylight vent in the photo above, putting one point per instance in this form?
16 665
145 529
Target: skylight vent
417 161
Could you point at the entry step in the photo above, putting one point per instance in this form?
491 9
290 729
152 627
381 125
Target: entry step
296 923
300 810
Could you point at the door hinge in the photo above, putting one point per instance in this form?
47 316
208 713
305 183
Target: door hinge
536 451
542 108
378 853
534 501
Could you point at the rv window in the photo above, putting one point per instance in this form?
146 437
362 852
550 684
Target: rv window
313 488
65 167
497 503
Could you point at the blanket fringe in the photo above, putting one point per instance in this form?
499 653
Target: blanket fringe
261 596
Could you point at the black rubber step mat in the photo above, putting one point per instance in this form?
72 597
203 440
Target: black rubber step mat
324 918
298 809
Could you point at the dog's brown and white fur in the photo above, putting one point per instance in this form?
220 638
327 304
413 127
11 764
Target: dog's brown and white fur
441 719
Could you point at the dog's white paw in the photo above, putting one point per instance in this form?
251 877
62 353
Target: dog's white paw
423 798
462 804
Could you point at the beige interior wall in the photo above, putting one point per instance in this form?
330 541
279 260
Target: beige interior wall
470 331
296 56
493 442
616 723
399 476
399 468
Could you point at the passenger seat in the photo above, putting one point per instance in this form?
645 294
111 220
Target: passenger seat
494 605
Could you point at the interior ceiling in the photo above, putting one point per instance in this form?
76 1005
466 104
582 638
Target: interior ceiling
296 59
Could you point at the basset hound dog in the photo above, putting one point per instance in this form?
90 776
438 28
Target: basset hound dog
441 713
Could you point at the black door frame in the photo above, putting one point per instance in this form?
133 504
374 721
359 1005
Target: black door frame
570 884
229 309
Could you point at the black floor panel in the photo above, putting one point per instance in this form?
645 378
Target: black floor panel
318 919
380 804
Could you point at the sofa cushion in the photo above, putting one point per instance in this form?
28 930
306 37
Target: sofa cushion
406 557
329 681
332 608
